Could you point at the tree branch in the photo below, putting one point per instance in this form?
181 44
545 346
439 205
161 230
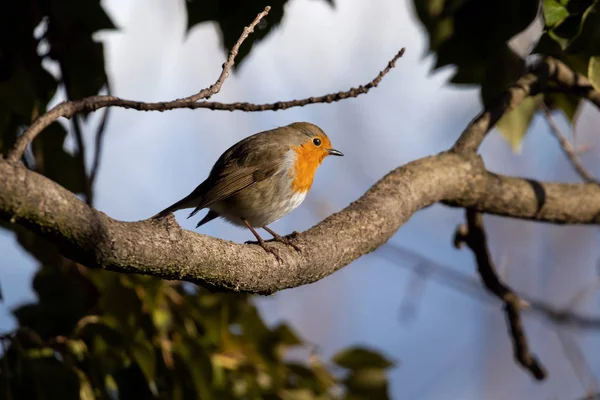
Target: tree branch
546 71
473 235
472 137
164 249
69 108
567 147
447 276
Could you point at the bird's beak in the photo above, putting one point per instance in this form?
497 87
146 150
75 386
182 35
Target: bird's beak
334 152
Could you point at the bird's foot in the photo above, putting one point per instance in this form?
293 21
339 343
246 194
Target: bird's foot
273 251
286 241
282 239
266 248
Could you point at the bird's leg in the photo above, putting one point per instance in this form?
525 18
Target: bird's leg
261 242
281 239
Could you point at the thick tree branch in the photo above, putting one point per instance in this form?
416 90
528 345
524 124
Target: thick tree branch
164 249
473 235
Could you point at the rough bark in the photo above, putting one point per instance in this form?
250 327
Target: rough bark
162 248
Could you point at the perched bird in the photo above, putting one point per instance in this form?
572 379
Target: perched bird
261 178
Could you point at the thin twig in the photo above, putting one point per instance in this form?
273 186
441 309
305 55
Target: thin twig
69 108
567 147
93 103
581 367
473 235
99 141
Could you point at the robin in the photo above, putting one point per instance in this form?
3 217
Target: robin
260 179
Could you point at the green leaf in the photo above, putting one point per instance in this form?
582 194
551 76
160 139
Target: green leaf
358 357
554 12
283 334
594 72
84 16
64 298
514 125
473 36
566 102
370 382
297 394
145 358
587 40
47 378
232 16
86 392
55 162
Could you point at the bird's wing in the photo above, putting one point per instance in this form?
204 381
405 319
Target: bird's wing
232 179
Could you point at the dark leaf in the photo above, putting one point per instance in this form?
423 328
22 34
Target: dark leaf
359 357
567 103
369 382
232 16
58 165
64 298
45 378
82 17
473 35
145 358
283 334
587 41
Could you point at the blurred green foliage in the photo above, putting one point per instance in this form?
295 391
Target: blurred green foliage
473 36
94 334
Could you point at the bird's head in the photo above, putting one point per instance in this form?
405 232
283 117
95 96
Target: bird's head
311 147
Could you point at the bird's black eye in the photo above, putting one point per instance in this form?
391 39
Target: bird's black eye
317 141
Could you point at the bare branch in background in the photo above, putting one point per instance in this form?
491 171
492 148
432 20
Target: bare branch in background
581 368
473 235
426 268
567 147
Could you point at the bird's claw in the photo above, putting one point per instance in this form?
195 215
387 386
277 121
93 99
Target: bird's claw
274 252
288 242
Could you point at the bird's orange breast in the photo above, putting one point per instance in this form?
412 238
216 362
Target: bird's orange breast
307 161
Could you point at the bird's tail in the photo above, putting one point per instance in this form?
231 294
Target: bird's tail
180 205
190 201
